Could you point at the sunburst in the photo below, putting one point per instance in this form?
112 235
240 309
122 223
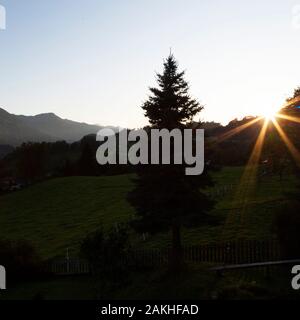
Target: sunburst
249 177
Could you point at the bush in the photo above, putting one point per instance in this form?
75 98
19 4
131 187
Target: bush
106 252
20 260
287 224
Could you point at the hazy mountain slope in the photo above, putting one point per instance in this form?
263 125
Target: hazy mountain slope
14 131
52 125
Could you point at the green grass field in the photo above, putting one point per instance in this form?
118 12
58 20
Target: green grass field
55 215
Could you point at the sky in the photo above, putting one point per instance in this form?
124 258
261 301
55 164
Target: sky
93 61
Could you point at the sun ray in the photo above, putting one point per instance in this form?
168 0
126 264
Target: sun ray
291 102
237 130
293 150
286 117
236 217
246 184
256 153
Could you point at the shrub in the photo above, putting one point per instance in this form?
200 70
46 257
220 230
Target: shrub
20 260
106 252
287 224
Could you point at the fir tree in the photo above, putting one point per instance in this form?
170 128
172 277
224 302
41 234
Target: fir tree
164 197
170 106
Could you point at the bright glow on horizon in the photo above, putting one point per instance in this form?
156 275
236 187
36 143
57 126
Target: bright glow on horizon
270 114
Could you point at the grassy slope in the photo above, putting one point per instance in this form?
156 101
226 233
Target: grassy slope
56 214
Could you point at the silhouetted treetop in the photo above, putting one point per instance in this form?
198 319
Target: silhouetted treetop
296 92
170 105
295 95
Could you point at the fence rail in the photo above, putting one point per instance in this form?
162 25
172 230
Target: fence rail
255 265
69 266
231 252
249 251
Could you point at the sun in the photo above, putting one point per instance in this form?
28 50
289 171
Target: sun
269 114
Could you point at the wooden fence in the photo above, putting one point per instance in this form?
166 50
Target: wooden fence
232 252
69 266
248 251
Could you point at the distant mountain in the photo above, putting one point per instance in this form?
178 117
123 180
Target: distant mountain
63 129
16 129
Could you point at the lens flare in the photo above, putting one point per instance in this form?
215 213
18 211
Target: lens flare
236 218
270 114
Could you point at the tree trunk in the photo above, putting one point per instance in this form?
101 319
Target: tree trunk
176 257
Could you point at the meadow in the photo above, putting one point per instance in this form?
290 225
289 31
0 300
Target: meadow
55 215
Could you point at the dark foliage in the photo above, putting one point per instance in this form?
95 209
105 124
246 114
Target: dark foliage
287 224
87 164
5 150
170 105
296 94
164 197
21 261
37 161
105 253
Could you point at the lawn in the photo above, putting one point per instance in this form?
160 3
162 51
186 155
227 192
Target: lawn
56 214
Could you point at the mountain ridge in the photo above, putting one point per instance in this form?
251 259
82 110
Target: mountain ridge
44 127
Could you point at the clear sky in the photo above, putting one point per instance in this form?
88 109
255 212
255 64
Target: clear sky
93 60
